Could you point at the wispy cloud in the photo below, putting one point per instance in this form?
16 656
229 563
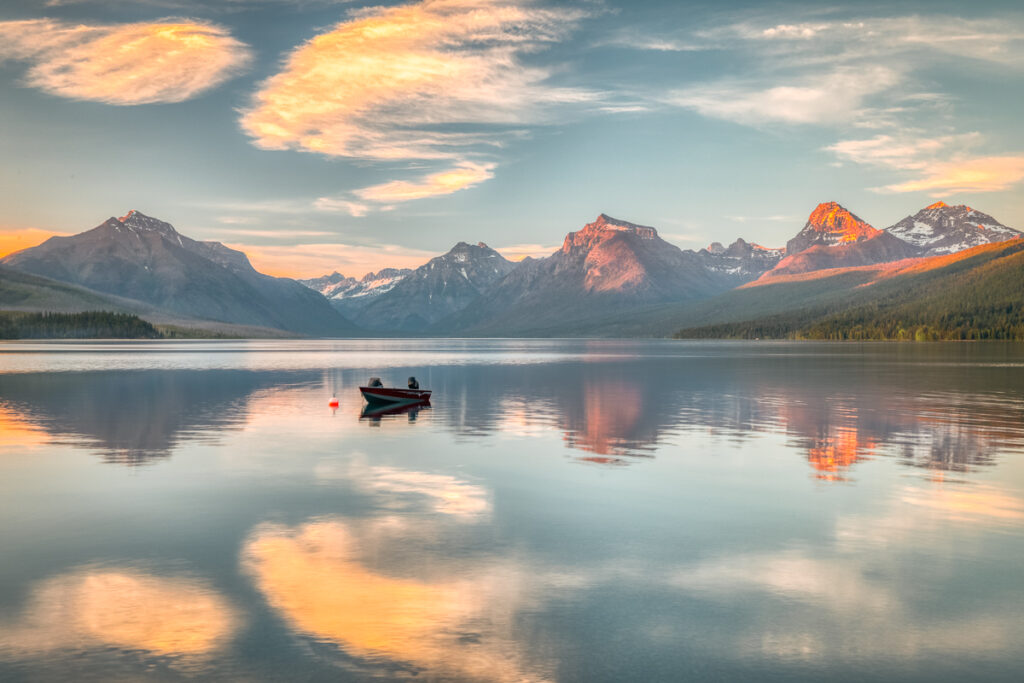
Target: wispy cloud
824 72
903 151
835 97
123 64
982 174
943 165
315 259
517 252
439 80
466 174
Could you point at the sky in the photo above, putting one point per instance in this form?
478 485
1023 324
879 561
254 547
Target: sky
322 135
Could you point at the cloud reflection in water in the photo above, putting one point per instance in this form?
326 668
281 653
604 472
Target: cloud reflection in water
181 618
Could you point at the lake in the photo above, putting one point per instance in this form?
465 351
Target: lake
564 510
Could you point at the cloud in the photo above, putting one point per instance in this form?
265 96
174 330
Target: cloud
835 97
944 164
824 72
517 252
439 81
355 209
466 174
315 259
16 240
125 64
982 174
383 84
902 151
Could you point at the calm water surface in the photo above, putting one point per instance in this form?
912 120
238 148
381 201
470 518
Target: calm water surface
563 511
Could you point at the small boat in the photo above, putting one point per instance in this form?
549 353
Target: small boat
375 392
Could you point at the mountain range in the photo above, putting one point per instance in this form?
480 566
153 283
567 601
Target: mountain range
611 277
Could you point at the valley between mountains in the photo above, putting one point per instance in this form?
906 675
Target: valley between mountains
946 272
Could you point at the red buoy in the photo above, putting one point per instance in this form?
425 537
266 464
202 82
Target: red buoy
333 402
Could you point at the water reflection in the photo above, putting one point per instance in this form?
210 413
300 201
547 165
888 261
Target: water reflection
134 417
464 542
130 610
457 625
376 413
942 409
838 408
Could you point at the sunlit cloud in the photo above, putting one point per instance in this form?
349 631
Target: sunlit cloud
836 97
124 64
128 609
466 174
982 174
381 84
944 164
903 151
517 252
439 80
16 240
315 259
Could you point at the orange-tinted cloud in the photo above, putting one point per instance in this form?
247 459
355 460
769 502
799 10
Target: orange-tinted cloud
16 240
314 260
379 85
466 174
981 174
407 82
123 64
125 609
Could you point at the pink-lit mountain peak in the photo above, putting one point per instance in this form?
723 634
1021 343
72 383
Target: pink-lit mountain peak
139 221
831 224
605 228
832 217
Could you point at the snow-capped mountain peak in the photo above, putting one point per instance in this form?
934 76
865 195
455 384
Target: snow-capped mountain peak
944 229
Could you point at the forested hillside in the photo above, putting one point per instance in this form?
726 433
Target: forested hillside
978 294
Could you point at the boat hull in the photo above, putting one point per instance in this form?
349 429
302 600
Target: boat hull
391 396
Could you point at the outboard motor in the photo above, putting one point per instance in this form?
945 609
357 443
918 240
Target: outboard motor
375 382
413 384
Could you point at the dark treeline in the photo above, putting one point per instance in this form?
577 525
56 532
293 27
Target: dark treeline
88 325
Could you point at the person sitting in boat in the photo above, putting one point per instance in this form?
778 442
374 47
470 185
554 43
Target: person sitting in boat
413 384
375 382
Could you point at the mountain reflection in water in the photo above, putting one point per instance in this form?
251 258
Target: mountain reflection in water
935 412
133 417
